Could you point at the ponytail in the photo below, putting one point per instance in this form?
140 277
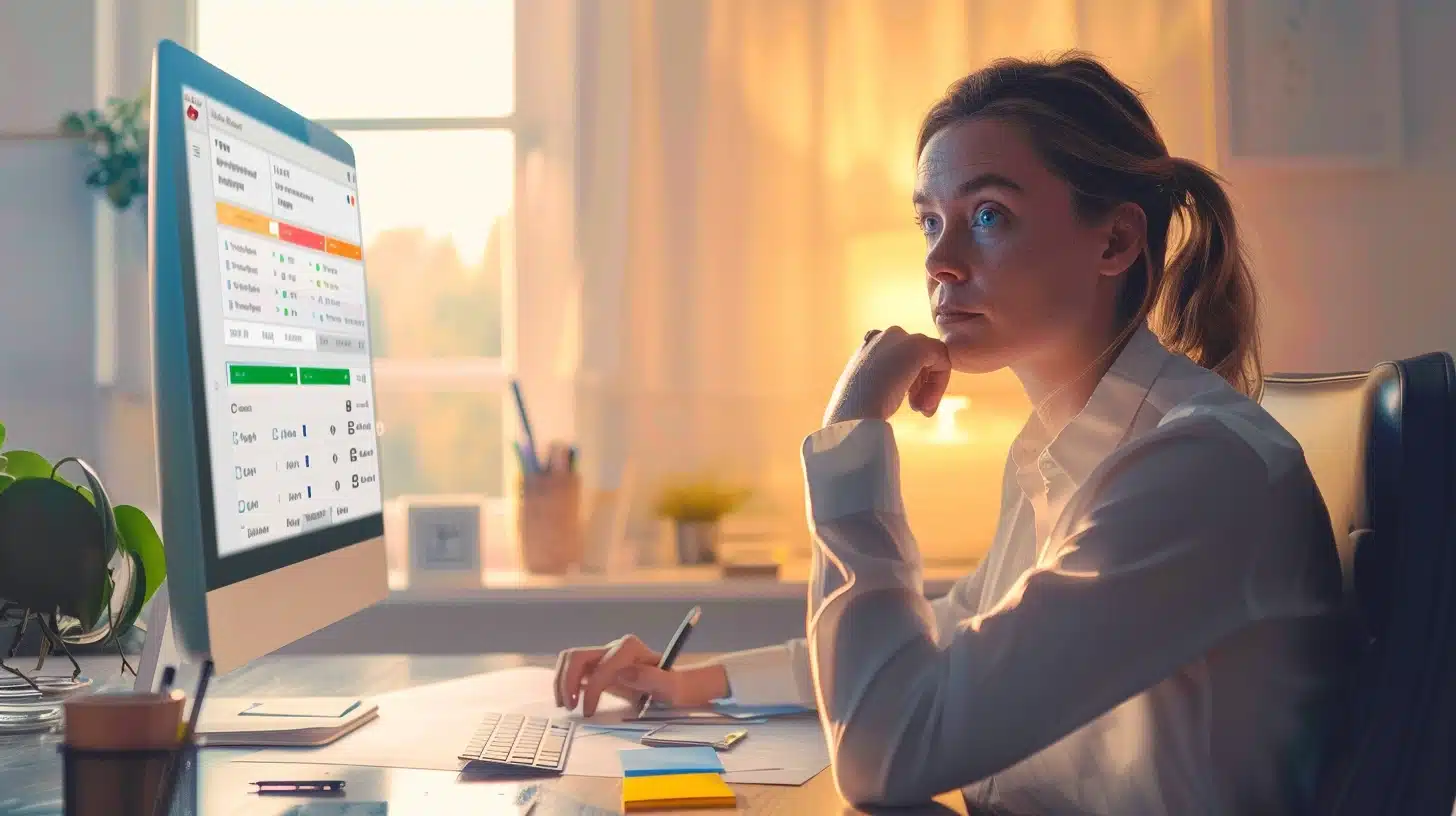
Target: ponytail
1205 305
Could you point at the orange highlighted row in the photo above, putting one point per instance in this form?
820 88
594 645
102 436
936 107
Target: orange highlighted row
343 249
246 220
229 215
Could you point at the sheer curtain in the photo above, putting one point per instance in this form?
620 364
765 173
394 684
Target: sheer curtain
745 176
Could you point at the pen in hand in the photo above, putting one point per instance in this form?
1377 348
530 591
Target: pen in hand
669 655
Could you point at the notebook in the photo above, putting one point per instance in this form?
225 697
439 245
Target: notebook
676 791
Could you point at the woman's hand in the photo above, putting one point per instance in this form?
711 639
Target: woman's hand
889 366
627 668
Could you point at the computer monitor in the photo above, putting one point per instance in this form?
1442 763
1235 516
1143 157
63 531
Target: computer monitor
271 507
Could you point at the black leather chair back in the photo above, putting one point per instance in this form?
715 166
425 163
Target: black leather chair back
1382 446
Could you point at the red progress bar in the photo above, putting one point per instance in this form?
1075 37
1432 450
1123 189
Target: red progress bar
301 237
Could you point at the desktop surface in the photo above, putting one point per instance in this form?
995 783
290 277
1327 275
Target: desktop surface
30 767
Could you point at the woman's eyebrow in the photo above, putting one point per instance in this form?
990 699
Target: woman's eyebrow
971 186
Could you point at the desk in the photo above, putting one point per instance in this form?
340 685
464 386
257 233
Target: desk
30 769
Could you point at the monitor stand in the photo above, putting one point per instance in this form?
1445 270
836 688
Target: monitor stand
260 722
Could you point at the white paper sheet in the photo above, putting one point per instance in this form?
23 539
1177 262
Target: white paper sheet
426 726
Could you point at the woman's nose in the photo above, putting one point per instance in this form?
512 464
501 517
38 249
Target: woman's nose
944 263
944 266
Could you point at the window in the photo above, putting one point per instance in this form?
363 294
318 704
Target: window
425 92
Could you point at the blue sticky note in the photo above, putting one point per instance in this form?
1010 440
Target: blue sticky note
756 711
679 760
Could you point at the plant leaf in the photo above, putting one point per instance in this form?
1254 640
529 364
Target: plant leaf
2 436
137 599
4 463
86 494
6 480
24 464
106 590
140 537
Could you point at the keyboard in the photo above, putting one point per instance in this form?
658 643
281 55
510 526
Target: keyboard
520 741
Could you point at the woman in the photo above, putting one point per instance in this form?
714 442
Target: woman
1155 629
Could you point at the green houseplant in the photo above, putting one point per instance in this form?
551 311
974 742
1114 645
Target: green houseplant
695 508
117 137
112 588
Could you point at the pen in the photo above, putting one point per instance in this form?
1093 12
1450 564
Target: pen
169 676
300 786
669 655
163 805
525 424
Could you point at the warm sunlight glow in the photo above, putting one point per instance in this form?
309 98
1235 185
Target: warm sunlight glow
450 183
942 429
368 58
885 283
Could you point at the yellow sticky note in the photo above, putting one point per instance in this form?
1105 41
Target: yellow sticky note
699 790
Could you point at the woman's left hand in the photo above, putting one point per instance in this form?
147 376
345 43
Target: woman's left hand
891 365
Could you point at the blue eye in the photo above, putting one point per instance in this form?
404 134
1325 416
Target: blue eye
987 217
927 223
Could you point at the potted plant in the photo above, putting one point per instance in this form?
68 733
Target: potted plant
696 508
77 571
117 137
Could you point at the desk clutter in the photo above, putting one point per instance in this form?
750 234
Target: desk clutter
131 754
549 517
426 727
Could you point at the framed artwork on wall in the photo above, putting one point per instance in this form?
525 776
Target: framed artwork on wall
1308 83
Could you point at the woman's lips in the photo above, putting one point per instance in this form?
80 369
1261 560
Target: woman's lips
955 318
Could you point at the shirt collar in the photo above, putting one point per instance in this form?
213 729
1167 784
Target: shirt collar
1102 423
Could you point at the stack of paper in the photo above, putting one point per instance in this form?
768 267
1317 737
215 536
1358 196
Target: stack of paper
671 778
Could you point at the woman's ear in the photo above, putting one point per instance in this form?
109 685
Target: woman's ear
1127 236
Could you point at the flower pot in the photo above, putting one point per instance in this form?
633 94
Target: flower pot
698 541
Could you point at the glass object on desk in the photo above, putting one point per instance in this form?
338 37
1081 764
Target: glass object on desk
29 700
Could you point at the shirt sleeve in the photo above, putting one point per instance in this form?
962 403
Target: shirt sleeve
1155 559
781 674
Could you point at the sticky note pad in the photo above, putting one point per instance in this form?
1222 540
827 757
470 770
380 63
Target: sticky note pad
668 791
688 759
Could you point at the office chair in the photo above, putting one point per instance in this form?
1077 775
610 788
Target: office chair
1382 447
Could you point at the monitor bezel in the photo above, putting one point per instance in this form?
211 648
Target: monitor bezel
176 68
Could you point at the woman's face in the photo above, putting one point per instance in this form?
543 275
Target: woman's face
1013 272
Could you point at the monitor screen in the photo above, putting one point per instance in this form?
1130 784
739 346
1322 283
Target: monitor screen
282 328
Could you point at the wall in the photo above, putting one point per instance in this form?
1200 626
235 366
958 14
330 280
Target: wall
48 400
1357 267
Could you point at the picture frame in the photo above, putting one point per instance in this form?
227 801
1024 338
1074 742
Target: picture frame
1308 84
446 542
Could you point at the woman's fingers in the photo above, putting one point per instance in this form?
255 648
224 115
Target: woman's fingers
932 358
572 667
928 390
625 653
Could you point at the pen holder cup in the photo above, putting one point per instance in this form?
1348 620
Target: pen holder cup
549 522
127 782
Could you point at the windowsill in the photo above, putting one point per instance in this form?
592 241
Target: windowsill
645 584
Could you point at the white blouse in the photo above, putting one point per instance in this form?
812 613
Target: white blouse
1155 630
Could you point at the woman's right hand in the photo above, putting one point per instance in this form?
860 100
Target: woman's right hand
627 668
